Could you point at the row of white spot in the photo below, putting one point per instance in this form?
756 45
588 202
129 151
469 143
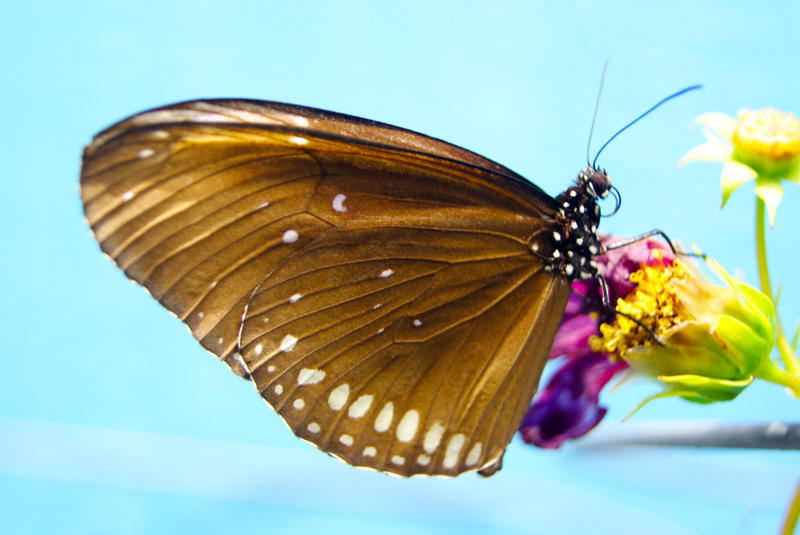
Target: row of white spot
405 431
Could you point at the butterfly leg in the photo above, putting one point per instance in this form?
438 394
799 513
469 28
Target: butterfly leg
655 232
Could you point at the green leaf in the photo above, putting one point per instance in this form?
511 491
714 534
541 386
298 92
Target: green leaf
734 174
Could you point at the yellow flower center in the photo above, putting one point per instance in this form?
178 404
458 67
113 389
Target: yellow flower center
653 303
767 140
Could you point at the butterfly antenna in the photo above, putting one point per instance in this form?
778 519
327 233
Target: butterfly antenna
659 103
594 115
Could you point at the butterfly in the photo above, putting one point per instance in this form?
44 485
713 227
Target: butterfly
392 296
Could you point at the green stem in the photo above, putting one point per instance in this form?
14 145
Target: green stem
768 371
790 360
792 512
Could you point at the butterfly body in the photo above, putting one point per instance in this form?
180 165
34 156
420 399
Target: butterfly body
392 296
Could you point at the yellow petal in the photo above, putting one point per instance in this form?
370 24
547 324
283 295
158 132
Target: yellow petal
771 192
734 174
722 125
713 150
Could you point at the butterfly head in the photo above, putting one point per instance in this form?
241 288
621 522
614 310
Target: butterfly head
594 181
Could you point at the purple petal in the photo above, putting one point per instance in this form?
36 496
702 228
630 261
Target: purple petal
568 406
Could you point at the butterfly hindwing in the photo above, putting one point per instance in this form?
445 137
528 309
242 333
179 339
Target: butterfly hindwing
376 283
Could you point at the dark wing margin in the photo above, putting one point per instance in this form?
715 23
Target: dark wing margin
219 208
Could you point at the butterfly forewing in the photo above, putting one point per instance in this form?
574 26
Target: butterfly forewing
376 283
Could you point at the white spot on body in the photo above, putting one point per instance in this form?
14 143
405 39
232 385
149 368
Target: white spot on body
369 451
298 404
417 323
295 298
565 205
433 437
338 396
297 140
573 193
308 376
278 389
288 343
128 195
384 418
556 254
474 454
593 249
146 153
399 460
407 427
338 202
535 247
581 209
557 235
569 269
423 459
454 446
346 439
290 236
579 241
573 225
360 406
313 427
386 273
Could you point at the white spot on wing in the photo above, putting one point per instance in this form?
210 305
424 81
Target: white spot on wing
360 406
258 349
453 450
474 454
407 427
423 459
384 418
399 460
128 195
298 404
288 343
290 236
386 273
297 140
270 368
159 134
369 451
313 427
338 396
278 389
308 376
146 153
295 298
433 437
262 205
299 121
417 323
338 202
346 439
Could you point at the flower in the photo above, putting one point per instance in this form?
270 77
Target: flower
568 406
712 339
763 145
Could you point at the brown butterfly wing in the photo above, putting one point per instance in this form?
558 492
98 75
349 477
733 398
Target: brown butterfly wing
376 283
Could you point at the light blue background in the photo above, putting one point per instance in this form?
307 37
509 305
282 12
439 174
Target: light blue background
113 420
